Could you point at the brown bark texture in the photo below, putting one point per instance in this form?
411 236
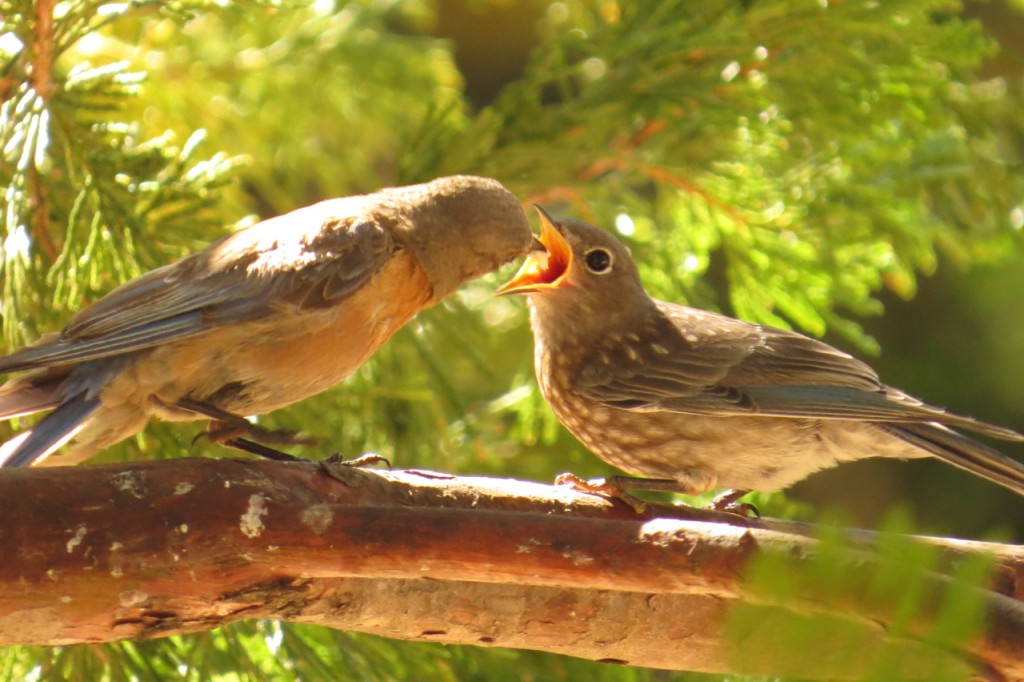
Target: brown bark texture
140 550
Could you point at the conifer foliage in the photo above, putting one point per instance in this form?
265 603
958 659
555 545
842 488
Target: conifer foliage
804 155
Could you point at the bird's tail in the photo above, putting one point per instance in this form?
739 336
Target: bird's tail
961 451
53 431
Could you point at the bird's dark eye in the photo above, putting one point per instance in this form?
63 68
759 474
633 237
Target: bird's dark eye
598 261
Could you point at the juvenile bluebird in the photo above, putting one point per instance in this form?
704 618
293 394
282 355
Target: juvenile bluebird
260 319
691 401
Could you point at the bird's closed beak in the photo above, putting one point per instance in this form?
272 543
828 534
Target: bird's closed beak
544 268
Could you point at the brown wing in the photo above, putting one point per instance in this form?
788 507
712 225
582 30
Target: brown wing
697 362
311 258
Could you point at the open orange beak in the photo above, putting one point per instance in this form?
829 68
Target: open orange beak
542 269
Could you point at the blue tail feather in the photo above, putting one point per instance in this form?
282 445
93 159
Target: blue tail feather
53 431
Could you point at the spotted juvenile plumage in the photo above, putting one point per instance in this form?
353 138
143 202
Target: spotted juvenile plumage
700 400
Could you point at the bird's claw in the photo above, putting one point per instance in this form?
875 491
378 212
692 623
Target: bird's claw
602 488
230 432
342 470
728 501
224 432
365 459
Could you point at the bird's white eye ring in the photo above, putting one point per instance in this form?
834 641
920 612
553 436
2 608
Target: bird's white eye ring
598 260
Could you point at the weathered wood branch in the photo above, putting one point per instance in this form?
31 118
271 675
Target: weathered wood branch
156 548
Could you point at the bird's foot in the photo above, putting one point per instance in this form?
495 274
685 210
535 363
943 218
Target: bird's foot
728 501
342 470
607 488
229 434
221 431
227 428
365 459
258 449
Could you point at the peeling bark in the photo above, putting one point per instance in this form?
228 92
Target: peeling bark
157 548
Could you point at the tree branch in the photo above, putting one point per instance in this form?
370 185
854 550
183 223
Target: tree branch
42 83
157 548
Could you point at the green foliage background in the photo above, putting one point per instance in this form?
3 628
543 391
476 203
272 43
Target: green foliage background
796 163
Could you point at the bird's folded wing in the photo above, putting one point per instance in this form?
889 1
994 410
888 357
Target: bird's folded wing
311 258
719 366
688 353
642 394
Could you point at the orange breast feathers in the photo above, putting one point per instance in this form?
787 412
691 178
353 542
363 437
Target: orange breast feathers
283 360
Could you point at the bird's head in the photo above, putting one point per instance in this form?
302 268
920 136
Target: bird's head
577 262
458 228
